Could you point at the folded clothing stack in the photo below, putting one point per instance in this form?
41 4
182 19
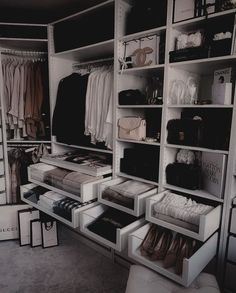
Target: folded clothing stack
180 210
107 223
34 193
66 180
125 192
65 207
39 171
48 199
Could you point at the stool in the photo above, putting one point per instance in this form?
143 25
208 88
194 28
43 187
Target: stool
144 280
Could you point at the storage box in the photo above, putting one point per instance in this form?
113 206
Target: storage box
139 200
192 267
208 223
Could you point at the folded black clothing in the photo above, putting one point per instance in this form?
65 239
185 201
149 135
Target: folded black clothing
34 193
118 198
62 213
107 223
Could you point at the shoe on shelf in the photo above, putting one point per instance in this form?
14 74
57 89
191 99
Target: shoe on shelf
149 241
162 245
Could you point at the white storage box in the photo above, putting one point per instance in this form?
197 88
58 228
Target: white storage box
91 214
208 224
231 249
233 221
139 200
74 223
192 267
88 191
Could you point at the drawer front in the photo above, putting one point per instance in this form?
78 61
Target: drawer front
232 249
230 280
233 221
2 184
1 168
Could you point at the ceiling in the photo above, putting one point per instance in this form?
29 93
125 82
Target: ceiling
41 11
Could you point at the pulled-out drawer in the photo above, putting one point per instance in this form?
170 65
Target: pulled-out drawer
90 215
139 201
208 223
231 249
88 191
230 280
233 221
74 223
192 267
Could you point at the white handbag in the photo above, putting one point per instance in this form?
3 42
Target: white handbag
132 128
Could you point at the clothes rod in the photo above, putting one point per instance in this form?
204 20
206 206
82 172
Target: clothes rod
22 53
93 62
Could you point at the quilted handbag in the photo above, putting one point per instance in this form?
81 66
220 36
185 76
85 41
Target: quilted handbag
132 128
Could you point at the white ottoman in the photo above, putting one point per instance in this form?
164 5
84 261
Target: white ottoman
144 280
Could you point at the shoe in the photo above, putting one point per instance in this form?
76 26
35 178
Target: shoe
172 252
162 245
149 241
186 251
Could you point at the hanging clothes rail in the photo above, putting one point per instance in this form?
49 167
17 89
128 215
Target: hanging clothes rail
95 63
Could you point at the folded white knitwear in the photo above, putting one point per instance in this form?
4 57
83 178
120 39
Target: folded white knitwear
131 188
182 208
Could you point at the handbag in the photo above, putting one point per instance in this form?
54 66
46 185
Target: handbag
131 97
185 131
132 128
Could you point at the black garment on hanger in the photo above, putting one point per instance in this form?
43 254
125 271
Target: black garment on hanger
69 112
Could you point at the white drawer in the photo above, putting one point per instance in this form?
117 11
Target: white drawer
208 224
2 184
233 221
92 214
230 280
0 134
74 223
2 168
3 198
88 191
231 249
139 201
192 267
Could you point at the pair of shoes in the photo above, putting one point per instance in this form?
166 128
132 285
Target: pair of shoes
149 241
162 245
186 251
173 251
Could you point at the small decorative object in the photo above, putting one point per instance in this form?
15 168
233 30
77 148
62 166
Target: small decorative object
154 91
185 156
222 86
193 39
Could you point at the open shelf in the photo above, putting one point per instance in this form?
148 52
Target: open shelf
94 51
199 193
24 44
177 146
137 178
138 35
200 106
145 70
139 106
139 142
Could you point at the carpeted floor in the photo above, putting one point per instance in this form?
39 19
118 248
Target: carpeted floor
71 267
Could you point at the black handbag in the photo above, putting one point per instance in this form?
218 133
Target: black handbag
184 175
185 132
132 97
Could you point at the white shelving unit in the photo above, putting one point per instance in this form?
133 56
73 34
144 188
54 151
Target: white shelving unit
60 65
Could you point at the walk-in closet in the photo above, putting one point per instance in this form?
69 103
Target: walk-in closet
118 146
